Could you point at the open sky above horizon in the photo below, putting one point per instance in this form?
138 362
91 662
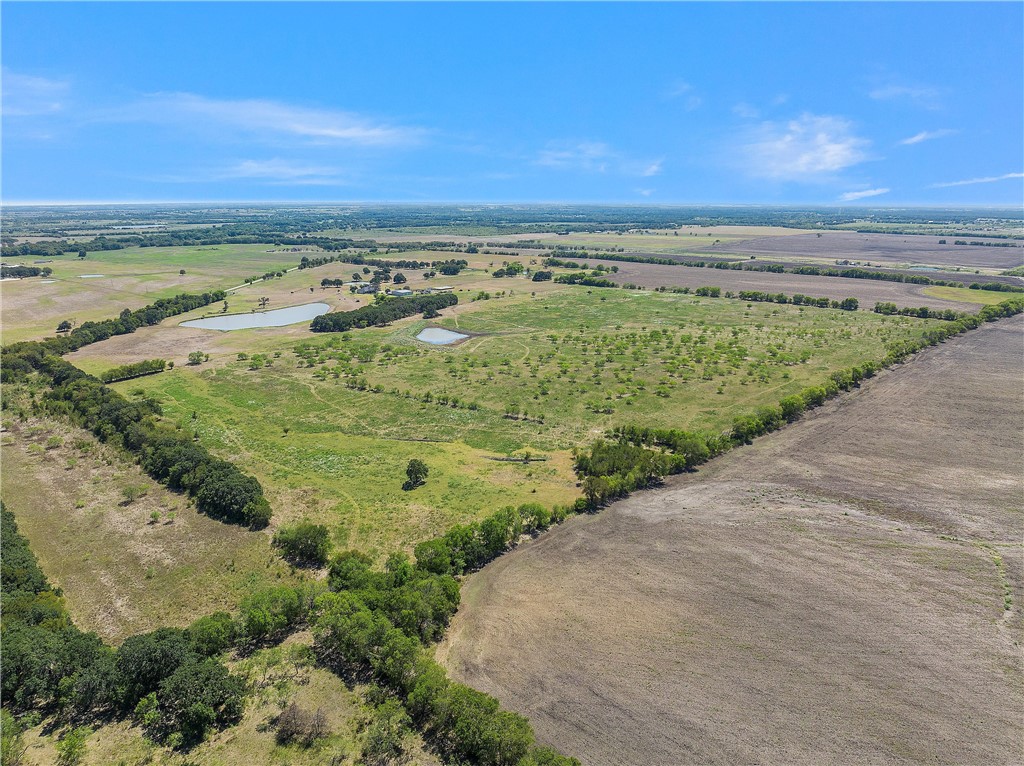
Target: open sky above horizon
751 103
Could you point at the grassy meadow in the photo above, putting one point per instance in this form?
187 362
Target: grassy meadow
328 422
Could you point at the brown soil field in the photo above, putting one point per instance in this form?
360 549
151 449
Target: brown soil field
832 594
884 249
867 291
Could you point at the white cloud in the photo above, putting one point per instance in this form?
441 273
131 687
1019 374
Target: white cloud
276 172
745 111
926 135
679 88
984 180
595 157
653 169
266 117
586 155
855 195
809 147
919 95
27 95
644 192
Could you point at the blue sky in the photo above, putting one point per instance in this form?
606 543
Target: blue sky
825 103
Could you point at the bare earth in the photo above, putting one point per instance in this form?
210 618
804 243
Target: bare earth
867 291
829 595
885 249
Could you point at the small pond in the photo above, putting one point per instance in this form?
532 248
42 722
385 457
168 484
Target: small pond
91 276
440 337
47 281
275 318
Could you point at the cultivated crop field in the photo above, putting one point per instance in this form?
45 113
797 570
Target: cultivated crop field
867 291
841 591
893 250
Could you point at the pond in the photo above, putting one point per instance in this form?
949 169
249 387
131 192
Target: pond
275 318
91 276
440 337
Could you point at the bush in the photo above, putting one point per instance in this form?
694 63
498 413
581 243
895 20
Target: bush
304 543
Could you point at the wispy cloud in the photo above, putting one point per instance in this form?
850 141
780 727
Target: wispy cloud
927 135
923 96
586 155
265 117
644 192
746 111
984 180
855 195
678 88
27 95
681 89
653 169
807 148
276 172
595 157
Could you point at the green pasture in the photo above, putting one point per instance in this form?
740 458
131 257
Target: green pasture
330 424
966 295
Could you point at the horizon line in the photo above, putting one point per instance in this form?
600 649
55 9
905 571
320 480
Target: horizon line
420 203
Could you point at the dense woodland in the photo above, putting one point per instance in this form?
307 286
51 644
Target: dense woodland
383 312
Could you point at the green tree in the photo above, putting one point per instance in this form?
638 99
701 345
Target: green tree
199 696
71 748
196 357
304 543
417 472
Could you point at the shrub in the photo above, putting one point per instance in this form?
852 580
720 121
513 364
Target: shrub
304 543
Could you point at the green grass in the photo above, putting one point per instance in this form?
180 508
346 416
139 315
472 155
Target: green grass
966 295
576 361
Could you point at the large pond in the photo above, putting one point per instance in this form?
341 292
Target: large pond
275 318
440 337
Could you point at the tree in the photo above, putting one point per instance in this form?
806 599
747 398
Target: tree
417 472
64 326
12 747
81 253
304 543
71 748
181 272
263 302
199 696
400 279
196 357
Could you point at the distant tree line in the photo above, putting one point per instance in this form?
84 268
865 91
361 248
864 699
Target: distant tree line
20 272
377 314
134 370
921 312
588 280
818 271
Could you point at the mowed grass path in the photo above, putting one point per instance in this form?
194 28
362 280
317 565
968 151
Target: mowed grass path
330 426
